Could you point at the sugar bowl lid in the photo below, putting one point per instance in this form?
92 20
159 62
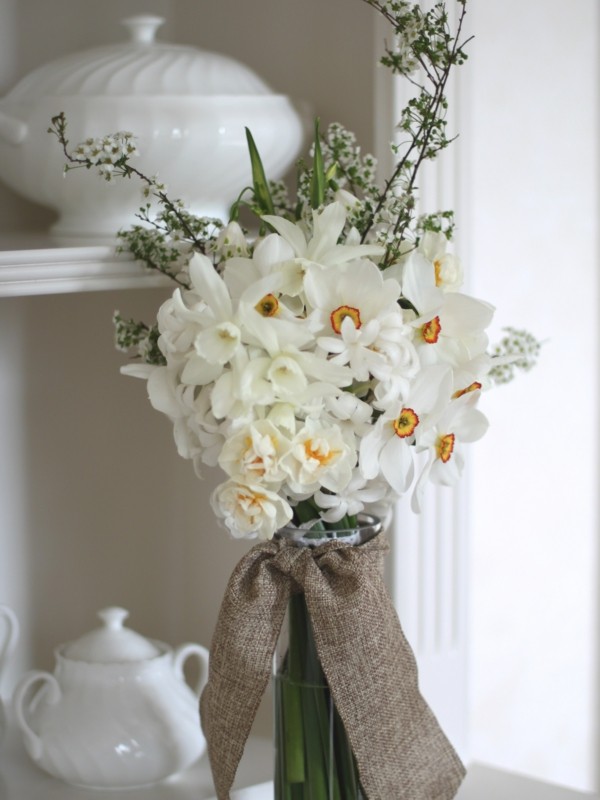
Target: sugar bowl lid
141 66
111 642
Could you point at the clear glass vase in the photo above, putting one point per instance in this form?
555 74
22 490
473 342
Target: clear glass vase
313 757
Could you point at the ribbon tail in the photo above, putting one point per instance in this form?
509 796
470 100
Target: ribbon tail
400 749
240 665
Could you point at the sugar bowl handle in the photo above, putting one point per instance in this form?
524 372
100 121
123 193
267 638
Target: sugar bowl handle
51 695
10 626
180 656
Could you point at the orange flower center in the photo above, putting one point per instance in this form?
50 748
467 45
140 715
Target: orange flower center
431 331
406 423
268 306
474 387
445 446
339 315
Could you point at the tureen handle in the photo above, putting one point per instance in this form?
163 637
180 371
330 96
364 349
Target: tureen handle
51 696
181 654
12 130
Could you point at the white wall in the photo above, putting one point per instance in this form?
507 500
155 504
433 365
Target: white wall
533 177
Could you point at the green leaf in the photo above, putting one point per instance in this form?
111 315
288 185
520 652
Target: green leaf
318 181
262 195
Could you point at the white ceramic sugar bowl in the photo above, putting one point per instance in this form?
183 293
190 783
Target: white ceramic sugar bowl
117 712
9 635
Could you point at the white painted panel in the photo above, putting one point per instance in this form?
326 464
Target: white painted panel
532 225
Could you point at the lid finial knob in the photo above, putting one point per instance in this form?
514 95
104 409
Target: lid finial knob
142 29
113 617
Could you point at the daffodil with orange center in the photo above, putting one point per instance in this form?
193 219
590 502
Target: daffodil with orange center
356 318
388 448
442 438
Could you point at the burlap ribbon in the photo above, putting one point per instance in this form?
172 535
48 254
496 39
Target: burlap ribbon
400 749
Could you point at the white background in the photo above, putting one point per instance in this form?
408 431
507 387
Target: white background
533 234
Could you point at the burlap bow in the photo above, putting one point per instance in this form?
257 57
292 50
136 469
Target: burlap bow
401 752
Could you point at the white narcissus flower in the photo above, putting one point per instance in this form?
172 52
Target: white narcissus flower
447 268
252 456
217 335
322 247
441 438
355 315
280 369
319 456
250 510
268 259
388 448
449 327
351 500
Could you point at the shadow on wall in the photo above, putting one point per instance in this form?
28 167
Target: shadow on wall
114 516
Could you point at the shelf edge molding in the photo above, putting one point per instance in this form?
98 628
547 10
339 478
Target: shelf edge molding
73 269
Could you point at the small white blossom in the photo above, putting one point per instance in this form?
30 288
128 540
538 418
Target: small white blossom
231 241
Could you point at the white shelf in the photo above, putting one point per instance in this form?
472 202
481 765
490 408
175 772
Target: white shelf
21 780
33 265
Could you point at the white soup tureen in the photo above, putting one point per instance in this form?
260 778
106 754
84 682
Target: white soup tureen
188 109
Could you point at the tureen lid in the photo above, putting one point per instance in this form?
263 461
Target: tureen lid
111 642
141 66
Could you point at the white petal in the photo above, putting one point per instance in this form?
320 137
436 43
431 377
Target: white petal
271 251
462 315
218 343
290 232
210 286
161 392
418 284
198 372
138 370
370 447
396 459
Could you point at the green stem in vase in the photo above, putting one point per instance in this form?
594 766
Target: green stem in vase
315 761
292 695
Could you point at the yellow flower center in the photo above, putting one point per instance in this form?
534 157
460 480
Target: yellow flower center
256 464
437 266
431 331
339 315
313 451
445 446
251 501
268 306
406 423
474 387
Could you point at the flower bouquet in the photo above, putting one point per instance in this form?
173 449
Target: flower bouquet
326 359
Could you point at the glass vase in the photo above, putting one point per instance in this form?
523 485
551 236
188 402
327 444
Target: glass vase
313 757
